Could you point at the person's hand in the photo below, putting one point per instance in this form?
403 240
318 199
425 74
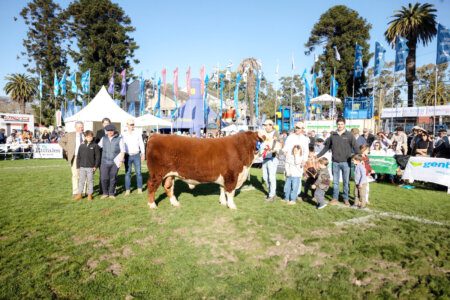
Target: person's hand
142 157
313 186
93 169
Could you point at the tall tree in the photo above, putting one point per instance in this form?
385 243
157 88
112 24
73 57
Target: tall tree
340 27
287 85
21 88
426 76
44 49
417 23
104 45
251 66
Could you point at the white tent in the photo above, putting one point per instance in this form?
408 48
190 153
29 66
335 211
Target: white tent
151 120
324 99
235 128
102 106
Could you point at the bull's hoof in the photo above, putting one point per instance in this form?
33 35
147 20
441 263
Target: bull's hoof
224 203
232 206
152 205
174 202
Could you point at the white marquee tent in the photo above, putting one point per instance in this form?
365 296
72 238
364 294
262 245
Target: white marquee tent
325 99
149 120
102 106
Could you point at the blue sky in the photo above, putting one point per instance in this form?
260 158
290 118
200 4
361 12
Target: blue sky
195 33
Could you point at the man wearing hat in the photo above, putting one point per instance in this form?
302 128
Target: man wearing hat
112 158
70 143
134 154
270 160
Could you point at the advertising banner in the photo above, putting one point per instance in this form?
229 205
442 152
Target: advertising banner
430 169
383 164
47 151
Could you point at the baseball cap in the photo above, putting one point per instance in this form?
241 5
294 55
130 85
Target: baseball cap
130 121
268 122
110 127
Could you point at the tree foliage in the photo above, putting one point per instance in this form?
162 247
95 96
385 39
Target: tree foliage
21 88
342 27
426 76
104 45
44 51
417 23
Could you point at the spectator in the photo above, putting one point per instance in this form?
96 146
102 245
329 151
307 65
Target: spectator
341 143
364 149
2 136
360 182
311 167
102 132
366 138
401 141
45 137
134 154
270 161
377 150
424 146
413 138
383 140
294 172
319 145
27 147
355 132
322 183
442 145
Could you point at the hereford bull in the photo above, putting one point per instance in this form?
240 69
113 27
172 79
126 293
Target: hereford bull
225 161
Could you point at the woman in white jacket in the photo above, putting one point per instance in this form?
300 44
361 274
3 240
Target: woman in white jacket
294 172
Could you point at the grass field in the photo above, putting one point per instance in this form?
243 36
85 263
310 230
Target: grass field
54 247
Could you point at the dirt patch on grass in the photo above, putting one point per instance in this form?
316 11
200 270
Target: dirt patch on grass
98 242
365 220
148 240
115 269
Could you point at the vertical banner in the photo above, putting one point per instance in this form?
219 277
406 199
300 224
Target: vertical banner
443 45
63 84
40 87
205 103
163 74
379 58
55 86
202 78
86 82
175 87
132 109
141 95
258 83
158 102
222 84
188 81
236 95
401 52
111 84
123 89
358 66
73 83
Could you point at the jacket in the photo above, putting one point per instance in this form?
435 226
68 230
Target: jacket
360 174
341 146
88 155
293 166
323 179
68 144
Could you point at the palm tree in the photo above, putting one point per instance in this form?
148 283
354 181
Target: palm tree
21 89
416 23
251 66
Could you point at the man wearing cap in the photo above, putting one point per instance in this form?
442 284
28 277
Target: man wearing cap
70 143
112 158
400 137
134 154
298 138
270 160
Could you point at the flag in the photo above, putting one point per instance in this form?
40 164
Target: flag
336 53
175 86
401 52
258 83
315 88
307 94
205 97
202 78
379 58
358 66
292 63
141 95
73 83
443 45
236 95
334 86
111 84
40 86
316 58
188 81
277 69
158 102
222 84
86 81
131 109
70 108
163 74
63 84
55 86
123 90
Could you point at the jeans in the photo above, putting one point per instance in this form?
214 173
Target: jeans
337 168
136 161
109 176
291 188
269 167
86 176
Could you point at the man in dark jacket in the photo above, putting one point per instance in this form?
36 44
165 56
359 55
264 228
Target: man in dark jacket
341 143
88 160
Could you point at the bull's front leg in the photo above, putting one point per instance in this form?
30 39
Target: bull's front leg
230 200
152 185
222 197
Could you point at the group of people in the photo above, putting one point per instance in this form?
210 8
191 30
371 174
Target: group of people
106 152
303 155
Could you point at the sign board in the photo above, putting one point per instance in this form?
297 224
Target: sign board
430 169
383 164
47 151
421 111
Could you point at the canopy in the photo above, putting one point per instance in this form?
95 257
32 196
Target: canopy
324 99
102 106
235 128
151 120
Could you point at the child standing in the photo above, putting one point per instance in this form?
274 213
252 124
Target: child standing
322 183
88 160
294 172
311 168
360 182
364 150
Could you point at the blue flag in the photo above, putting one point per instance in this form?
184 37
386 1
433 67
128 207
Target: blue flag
63 84
379 58
141 95
70 108
443 45
258 83
158 102
111 84
236 95
315 88
358 67
73 83
205 106
401 52
131 109
55 86
222 84
86 81
40 85
334 86
307 94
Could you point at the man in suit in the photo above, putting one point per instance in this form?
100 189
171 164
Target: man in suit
70 143
101 133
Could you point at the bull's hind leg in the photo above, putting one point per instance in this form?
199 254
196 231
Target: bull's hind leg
152 185
222 197
169 187
230 200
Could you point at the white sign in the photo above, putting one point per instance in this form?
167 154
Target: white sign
421 111
428 169
47 151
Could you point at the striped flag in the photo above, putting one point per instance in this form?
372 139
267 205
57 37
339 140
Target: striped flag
123 90
188 81
111 84
163 74
202 78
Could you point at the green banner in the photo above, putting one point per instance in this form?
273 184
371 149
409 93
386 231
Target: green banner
383 164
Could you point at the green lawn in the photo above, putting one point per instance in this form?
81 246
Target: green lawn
53 247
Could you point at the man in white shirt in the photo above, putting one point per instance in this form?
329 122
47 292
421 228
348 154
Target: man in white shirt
134 154
270 160
298 137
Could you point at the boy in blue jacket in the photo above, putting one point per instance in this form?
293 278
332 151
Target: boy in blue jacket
360 182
